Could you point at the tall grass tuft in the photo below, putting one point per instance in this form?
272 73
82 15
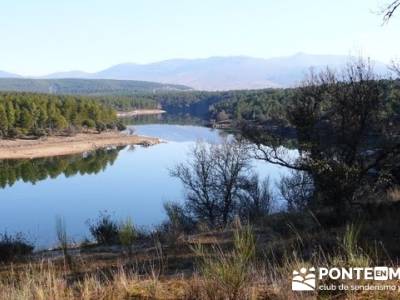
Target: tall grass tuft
227 274
61 232
354 254
127 234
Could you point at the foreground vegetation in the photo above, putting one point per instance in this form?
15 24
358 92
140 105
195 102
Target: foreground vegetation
238 262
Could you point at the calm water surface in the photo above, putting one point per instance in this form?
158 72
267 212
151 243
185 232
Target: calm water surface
130 182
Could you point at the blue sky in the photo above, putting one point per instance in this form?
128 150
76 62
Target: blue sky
43 36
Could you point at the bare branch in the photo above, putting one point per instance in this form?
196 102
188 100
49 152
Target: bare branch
389 10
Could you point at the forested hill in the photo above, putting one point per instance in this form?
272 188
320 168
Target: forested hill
42 114
85 86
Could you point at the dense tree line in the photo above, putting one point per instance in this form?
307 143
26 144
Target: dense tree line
258 105
266 106
237 105
195 103
126 103
41 114
92 87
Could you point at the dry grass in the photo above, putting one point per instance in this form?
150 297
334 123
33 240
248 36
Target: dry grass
237 272
394 194
45 281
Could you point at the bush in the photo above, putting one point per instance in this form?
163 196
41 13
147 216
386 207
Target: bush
88 123
104 230
39 132
12 247
297 190
13 132
120 126
100 127
70 130
178 221
227 275
127 234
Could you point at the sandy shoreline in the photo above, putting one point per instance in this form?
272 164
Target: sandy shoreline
60 145
139 112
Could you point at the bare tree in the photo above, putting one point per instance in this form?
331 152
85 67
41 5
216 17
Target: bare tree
197 176
218 181
395 66
390 9
232 166
297 190
257 198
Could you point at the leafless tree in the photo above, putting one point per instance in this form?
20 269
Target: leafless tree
257 198
395 66
218 181
390 9
297 190
197 176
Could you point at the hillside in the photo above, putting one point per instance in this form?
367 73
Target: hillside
208 74
224 73
8 75
84 86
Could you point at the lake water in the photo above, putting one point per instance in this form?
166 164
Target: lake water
126 182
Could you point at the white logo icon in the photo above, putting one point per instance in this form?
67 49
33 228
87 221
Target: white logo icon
303 280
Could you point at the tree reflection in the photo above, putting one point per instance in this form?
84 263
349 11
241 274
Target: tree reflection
39 169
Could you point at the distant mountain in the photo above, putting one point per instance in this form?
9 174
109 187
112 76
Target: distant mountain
216 73
8 75
222 73
85 86
66 75
225 73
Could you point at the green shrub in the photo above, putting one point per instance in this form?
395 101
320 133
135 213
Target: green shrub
12 247
229 272
104 230
127 234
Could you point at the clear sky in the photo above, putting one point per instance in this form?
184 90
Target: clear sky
43 36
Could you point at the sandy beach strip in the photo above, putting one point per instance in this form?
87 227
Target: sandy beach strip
62 145
139 112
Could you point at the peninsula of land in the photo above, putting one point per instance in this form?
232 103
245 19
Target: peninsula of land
65 145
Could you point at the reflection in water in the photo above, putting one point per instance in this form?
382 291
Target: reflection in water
136 185
39 169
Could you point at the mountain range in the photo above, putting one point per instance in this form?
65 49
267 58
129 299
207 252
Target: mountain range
220 73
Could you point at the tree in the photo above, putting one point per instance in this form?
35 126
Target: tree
39 114
388 13
390 9
297 190
256 200
26 120
3 121
346 139
10 113
395 66
219 183
222 116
